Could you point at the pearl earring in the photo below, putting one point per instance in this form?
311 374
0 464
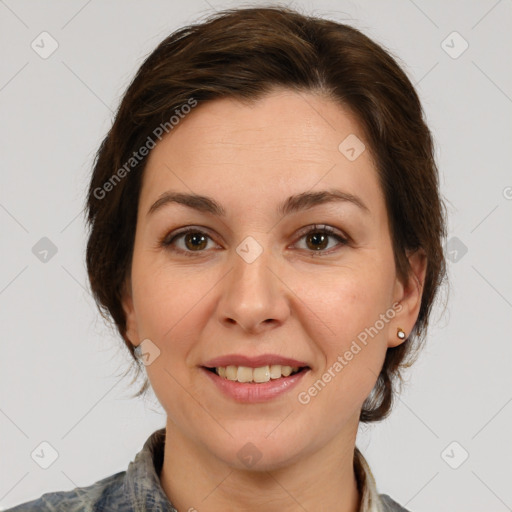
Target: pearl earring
400 333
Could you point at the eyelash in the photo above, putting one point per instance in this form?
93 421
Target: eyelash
326 230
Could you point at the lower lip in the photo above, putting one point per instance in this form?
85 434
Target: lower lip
247 392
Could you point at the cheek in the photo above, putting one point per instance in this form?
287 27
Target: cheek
348 307
162 295
347 301
172 308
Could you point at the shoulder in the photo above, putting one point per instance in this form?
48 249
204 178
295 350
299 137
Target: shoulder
92 498
389 505
139 484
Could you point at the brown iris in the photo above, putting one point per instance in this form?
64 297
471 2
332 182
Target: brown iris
195 241
317 238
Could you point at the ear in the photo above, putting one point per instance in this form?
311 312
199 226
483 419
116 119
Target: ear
129 312
408 294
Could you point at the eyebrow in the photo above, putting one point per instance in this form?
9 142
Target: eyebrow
291 205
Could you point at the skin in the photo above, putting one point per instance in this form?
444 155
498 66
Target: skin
290 301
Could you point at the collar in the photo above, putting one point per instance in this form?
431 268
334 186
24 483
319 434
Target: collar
370 500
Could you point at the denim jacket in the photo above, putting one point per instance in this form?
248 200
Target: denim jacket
138 489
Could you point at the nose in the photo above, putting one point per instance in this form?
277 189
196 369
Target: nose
254 296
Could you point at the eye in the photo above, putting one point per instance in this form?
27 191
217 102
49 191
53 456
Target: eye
187 241
317 239
193 240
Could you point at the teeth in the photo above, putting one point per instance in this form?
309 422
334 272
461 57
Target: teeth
231 372
286 370
244 374
261 374
275 371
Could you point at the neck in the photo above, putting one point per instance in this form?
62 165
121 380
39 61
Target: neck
194 479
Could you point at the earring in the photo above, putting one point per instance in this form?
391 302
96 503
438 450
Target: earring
400 333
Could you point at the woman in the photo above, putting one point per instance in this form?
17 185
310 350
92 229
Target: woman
266 233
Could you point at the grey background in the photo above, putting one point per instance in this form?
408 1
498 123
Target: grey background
61 365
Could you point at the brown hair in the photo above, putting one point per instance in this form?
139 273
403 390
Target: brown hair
243 54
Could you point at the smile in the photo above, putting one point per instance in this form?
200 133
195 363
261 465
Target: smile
255 375
244 384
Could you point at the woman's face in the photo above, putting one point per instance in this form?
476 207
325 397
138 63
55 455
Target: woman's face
259 283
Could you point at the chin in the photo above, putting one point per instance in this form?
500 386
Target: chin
258 453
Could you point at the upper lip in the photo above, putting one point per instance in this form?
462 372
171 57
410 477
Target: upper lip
253 362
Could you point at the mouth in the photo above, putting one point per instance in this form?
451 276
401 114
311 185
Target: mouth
255 379
259 375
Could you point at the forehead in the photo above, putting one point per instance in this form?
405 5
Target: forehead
282 144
